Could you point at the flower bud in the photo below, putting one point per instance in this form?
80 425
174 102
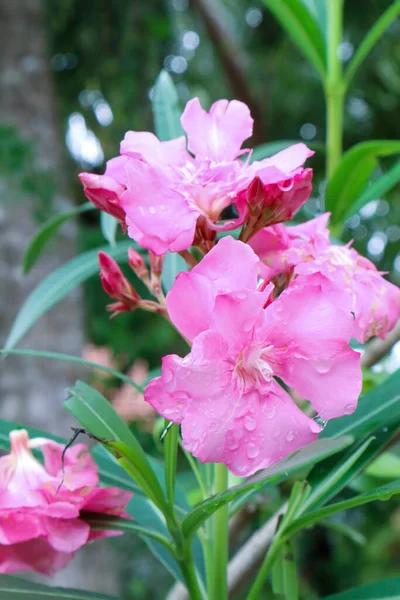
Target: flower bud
156 264
137 264
104 192
117 286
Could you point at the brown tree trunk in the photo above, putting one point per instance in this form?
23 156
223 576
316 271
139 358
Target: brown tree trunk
32 390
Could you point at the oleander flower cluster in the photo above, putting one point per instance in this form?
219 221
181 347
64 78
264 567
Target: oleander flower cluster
42 505
267 309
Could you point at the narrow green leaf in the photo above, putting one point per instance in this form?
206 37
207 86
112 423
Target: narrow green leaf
302 459
39 241
377 188
353 173
332 475
370 39
382 493
303 29
108 226
12 588
170 456
326 487
173 264
166 109
76 359
344 529
290 584
57 285
102 522
317 8
97 415
387 589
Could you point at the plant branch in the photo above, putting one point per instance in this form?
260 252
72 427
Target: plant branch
378 348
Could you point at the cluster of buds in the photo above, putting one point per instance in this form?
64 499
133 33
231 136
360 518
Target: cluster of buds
117 286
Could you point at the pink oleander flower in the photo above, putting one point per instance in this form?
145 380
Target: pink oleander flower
224 392
40 521
171 198
305 249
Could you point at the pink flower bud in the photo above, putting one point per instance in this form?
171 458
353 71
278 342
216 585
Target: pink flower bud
117 286
104 192
137 264
156 264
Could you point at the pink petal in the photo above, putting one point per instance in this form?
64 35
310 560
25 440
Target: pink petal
110 501
285 162
247 433
219 134
158 217
67 535
19 526
35 555
145 145
332 385
231 265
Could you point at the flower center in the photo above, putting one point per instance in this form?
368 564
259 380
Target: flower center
254 368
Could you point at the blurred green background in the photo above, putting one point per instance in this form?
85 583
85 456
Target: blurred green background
105 56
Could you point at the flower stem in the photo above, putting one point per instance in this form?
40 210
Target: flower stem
189 258
334 88
265 567
189 575
219 588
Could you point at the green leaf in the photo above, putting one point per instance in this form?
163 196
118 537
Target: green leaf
57 285
39 241
100 522
377 188
108 226
327 486
97 415
170 457
332 475
382 493
378 408
353 173
76 359
371 38
173 264
166 109
303 29
302 459
317 8
386 589
12 588
284 573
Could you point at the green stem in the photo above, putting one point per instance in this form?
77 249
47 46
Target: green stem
334 89
170 455
219 587
190 577
262 575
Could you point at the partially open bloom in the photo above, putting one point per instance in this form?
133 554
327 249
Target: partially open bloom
40 521
170 198
224 392
305 249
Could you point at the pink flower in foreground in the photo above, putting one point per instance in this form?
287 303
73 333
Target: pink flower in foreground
40 524
224 392
305 249
170 199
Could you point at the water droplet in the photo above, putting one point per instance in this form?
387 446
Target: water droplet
384 495
290 436
152 210
349 409
385 429
322 366
278 306
271 413
277 433
168 375
232 444
252 451
241 295
248 325
250 423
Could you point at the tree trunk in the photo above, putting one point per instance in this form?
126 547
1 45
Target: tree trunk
32 390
